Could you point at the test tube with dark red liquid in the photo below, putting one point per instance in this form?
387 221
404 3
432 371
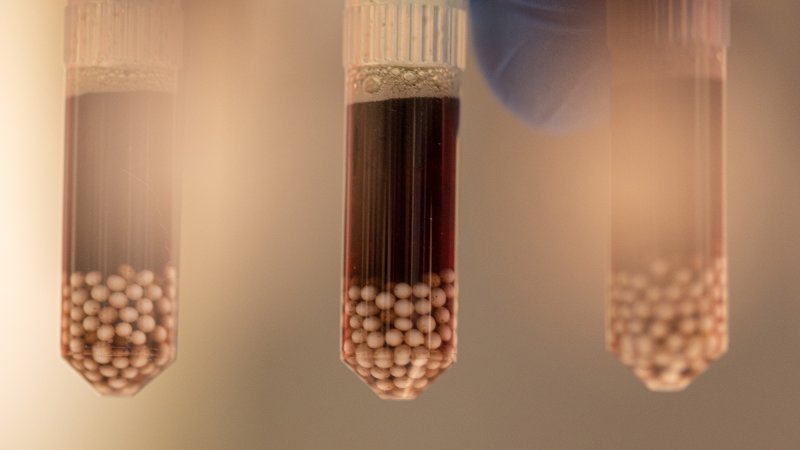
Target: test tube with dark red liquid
121 209
667 305
403 62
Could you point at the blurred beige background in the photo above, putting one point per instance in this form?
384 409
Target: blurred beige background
262 226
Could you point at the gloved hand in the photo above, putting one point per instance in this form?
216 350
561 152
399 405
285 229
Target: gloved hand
545 59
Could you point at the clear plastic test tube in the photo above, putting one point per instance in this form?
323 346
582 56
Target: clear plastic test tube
403 62
121 209
667 305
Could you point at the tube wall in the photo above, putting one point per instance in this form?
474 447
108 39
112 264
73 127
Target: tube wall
121 207
667 306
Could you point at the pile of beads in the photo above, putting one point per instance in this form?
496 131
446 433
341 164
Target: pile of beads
668 322
400 337
118 331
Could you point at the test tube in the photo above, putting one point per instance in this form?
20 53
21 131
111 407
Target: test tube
403 62
667 303
121 209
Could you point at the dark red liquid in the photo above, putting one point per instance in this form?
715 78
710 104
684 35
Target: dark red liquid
401 189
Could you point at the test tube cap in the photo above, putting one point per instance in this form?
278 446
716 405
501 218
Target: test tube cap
123 33
405 33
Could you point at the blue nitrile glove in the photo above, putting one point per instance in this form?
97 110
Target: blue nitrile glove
545 59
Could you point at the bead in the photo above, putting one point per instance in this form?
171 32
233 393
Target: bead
76 330
116 283
80 296
442 315
355 322
108 315
665 311
394 337
368 293
434 341
160 334
140 356
130 373
108 371
402 355
164 306
445 332
366 309
76 313
403 324
93 376
384 385
658 329
163 355
438 297
144 278
354 293
448 275
402 382
134 291
91 308
379 374
120 362
91 323
76 279
105 333
426 324
398 371
153 292
75 345
101 352
421 290
124 329
128 314
117 383
170 273
416 371
146 323
93 278
126 271
358 336
402 290
147 369
384 300
383 358
144 306
138 337
422 306
118 300
414 338
403 308
420 356
100 292
432 280
371 323
91 365
375 339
